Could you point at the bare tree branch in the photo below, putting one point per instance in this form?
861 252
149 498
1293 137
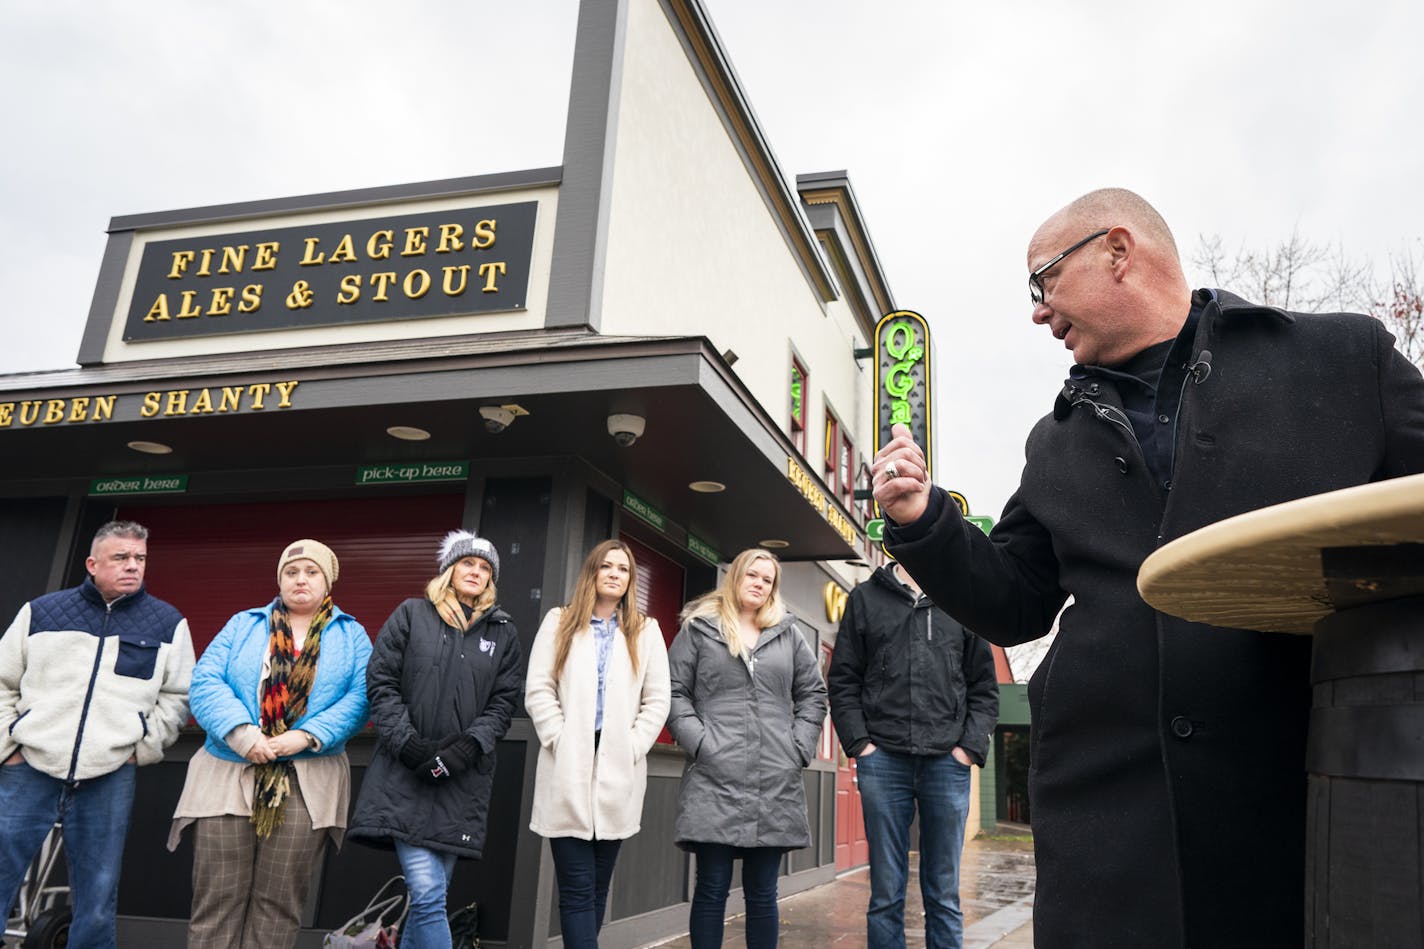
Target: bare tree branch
1301 274
1400 305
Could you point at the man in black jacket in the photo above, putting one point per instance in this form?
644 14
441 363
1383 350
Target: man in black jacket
1167 779
914 700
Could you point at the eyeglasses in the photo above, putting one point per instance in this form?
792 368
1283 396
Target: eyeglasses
1035 279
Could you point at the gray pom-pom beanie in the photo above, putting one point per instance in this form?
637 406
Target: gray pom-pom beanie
458 545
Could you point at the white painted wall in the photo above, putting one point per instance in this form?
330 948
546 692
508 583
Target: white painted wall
529 318
693 249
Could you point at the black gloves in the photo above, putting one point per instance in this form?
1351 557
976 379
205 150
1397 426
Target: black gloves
416 751
455 754
459 753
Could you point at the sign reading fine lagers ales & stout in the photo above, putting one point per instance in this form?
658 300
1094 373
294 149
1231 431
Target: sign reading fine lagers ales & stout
426 264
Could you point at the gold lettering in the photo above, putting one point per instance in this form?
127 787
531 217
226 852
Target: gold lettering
488 272
177 403
382 282
103 407
188 309
251 298
7 414
181 260
258 391
77 407
307 259
205 269
54 411
30 412
835 599
233 258
464 271
416 278
150 404
350 289
266 256
221 303
159 310
301 296
286 389
484 234
231 399
378 247
345 251
450 238
415 241
203 403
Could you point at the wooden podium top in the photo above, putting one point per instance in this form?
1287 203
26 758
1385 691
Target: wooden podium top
1282 568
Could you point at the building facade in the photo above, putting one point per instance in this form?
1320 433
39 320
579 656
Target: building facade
660 339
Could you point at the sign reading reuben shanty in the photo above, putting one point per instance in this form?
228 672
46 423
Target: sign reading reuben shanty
432 263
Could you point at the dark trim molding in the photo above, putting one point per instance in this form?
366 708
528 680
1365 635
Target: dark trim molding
106 299
331 200
581 224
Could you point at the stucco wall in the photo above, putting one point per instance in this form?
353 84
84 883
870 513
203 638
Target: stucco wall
693 248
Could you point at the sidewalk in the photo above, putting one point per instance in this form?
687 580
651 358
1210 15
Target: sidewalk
996 894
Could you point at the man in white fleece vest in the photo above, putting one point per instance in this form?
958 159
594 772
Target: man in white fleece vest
93 682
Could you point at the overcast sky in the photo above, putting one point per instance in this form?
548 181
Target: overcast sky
962 126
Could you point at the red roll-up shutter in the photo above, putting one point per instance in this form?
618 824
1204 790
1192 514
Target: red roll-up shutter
660 583
212 560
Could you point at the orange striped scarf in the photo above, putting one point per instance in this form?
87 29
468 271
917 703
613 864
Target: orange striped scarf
283 701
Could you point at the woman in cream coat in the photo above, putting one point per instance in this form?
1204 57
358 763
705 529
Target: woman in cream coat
597 695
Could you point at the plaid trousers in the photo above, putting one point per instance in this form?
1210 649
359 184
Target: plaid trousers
249 893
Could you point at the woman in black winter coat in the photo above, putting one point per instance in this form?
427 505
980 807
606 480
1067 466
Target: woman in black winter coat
444 678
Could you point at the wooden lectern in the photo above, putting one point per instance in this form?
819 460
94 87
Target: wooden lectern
1348 568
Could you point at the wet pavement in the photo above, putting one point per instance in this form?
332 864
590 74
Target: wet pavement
995 893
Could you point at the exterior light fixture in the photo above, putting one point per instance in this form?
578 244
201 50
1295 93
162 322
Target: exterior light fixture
708 487
408 433
773 543
151 448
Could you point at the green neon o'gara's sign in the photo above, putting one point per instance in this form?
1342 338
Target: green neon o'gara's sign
900 382
902 377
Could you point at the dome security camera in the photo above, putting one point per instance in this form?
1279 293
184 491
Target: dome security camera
626 429
497 418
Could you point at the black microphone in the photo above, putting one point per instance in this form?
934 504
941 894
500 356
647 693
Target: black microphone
1202 367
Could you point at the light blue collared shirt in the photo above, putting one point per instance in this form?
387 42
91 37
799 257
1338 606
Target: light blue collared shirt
603 632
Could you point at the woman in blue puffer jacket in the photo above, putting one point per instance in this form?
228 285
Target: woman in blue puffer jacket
279 691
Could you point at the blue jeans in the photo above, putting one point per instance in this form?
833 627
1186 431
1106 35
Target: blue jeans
583 869
427 877
891 784
760 868
96 821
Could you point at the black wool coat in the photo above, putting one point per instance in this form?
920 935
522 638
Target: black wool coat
1167 779
429 679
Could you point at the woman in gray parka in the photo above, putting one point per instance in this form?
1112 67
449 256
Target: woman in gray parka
747 704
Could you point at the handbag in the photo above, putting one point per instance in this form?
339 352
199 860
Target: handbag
465 927
368 929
